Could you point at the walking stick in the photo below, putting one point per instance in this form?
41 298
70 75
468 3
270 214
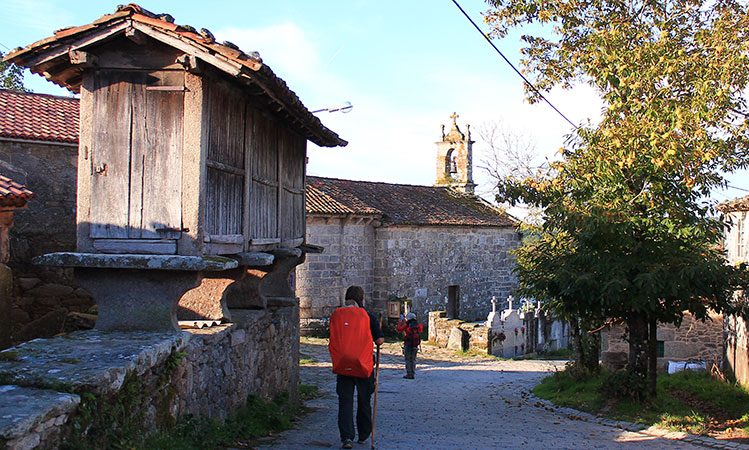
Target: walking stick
376 383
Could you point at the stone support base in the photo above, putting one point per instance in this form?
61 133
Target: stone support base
267 285
136 300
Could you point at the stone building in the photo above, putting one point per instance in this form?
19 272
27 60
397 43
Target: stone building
39 148
438 247
737 249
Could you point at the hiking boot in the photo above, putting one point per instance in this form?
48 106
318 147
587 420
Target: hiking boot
347 443
362 441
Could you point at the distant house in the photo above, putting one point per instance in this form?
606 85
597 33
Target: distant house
736 330
438 247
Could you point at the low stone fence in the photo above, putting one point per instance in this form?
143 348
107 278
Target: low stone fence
56 389
457 334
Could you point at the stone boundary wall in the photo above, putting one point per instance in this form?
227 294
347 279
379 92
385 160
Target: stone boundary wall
457 334
204 373
694 339
41 297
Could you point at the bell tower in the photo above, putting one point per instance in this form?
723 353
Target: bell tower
455 158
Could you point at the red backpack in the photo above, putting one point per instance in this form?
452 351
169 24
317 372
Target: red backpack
351 343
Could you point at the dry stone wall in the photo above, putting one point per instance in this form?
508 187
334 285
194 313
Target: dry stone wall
42 295
420 262
204 373
694 339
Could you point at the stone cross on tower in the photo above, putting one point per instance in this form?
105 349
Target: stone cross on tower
509 301
494 304
455 158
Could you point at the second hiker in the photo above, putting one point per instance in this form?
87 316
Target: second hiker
411 341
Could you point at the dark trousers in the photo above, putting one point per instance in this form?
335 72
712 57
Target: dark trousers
345 389
410 354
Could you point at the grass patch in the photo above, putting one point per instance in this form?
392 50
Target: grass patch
308 392
686 401
474 353
305 360
9 356
256 419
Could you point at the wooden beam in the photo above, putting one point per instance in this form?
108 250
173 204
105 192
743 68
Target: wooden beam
136 36
81 58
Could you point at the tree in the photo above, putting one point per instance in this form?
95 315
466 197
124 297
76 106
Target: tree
11 76
510 153
628 233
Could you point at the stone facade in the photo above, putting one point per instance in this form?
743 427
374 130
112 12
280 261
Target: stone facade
735 327
46 225
694 339
458 335
406 261
204 373
347 260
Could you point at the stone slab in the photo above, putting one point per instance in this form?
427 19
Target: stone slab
88 361
257 259
24 409
148 262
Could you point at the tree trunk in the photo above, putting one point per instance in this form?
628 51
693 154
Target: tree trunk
652 358
586 346
638 337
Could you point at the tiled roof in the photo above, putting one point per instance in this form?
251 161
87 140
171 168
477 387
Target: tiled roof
402 203
50 58
12 193
737 204
38 117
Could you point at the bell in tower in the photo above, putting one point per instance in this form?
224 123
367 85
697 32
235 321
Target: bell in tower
455 158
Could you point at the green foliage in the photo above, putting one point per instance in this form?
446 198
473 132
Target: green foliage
308 392
627 232
9 356
625 384
686 401
11 76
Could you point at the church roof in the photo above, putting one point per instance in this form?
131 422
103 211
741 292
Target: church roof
402 204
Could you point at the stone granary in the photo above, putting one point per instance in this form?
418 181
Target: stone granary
188 149
190 190
39 147
435 247
13 196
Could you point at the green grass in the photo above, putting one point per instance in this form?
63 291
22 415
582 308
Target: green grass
9 356
305 360
308 392
256 419
686 401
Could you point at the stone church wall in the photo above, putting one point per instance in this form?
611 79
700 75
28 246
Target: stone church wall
347 260
47 225
420 262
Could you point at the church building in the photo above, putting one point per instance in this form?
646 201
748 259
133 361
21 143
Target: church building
435 247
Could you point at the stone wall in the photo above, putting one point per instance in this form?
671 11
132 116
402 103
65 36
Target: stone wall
347 260
420 262
46 225
457 334
694 339
204 373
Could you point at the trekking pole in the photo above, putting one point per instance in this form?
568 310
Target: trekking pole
376 383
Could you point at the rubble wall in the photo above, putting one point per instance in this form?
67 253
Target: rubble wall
694 339
51 386
47 225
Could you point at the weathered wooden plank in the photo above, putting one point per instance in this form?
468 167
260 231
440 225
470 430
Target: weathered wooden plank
136 246
248 191
264 241
110 154
225 238
222 249
127 55
225 167
163 128
264 202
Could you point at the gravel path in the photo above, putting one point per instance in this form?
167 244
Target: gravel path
456 403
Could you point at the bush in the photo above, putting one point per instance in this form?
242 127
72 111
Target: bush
625 385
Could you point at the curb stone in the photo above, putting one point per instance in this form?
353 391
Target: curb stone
704 441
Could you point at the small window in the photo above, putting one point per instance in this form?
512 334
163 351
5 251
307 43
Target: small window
660 349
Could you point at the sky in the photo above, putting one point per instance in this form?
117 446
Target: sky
405 65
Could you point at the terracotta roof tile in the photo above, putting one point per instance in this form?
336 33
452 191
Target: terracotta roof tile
38 117
402 203
12 193
737 204
247 68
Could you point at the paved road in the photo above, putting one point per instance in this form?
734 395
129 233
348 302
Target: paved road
457 403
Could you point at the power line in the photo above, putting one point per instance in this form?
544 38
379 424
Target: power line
3 45
737 188
527 82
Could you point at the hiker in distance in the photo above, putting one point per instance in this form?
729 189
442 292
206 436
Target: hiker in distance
411 341
353 331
